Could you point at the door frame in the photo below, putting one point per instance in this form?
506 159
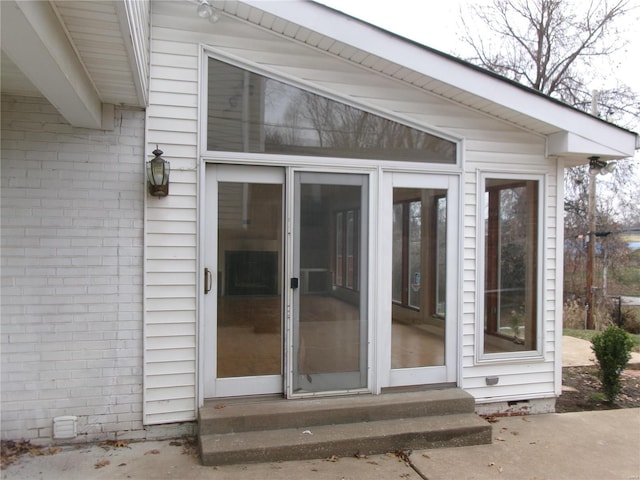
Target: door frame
380 207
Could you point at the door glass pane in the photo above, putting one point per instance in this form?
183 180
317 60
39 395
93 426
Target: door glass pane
249 279
419 277
329 347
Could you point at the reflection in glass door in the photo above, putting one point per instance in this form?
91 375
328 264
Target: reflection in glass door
330 264
418 277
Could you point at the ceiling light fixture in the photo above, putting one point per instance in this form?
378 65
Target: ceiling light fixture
205 10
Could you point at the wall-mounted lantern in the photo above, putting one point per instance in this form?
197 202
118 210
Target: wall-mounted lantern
158 175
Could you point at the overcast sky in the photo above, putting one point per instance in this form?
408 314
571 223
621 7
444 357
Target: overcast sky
436 23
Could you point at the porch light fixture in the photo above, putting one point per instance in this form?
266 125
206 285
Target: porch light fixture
205 10
158 175
597 166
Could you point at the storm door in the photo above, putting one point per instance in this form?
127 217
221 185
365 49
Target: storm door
329 283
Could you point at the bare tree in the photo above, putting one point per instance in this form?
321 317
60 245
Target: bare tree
562 48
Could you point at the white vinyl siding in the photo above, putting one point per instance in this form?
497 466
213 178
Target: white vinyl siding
171 227
171 237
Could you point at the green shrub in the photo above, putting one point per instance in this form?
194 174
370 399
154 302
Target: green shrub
613 351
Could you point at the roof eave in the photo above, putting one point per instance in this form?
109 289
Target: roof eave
606 138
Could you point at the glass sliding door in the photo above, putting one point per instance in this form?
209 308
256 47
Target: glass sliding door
244 252
329 351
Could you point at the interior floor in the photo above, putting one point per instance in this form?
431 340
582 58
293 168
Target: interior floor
250 340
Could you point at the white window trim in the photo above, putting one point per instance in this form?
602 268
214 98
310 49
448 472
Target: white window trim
520 356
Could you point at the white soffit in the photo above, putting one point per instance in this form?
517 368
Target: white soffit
433 71
34 40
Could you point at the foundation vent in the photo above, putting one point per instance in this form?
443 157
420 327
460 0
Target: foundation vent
65 427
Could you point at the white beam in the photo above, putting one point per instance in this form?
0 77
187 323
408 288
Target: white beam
34 40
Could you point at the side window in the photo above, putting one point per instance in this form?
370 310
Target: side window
511 279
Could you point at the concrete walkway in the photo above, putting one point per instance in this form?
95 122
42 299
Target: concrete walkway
577 353
584 445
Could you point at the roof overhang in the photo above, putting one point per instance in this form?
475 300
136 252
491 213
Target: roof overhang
60 53
33 39
572 134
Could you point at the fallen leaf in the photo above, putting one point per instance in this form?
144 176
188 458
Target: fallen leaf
491 464
425 455
114 444
500 469
122 465
525 419
332 458
219 406
500 439
373 463
175 443
307 432
360 456
102 463
152 452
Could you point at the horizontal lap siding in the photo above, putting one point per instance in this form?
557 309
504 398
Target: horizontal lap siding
518 379
171 237
172 221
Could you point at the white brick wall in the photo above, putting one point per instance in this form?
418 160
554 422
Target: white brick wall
72 246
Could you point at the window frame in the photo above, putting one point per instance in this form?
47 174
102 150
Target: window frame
330 161
515 177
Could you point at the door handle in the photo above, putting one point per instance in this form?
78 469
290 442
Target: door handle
294 282
208 280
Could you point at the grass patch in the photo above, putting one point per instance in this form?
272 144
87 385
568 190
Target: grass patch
589 334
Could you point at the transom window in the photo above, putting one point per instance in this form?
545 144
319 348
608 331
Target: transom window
247 112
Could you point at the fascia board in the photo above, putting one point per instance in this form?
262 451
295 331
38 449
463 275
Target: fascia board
567 144
35 41
442 68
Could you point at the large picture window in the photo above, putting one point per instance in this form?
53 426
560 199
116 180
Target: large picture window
511 240
247 112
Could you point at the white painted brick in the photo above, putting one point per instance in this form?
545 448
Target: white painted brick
65 243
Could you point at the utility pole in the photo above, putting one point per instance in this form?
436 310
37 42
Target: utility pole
591 251
591 235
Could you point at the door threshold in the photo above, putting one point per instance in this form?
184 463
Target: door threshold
268 397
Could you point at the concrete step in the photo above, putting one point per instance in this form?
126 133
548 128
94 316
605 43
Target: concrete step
323 441
220 417
269 430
